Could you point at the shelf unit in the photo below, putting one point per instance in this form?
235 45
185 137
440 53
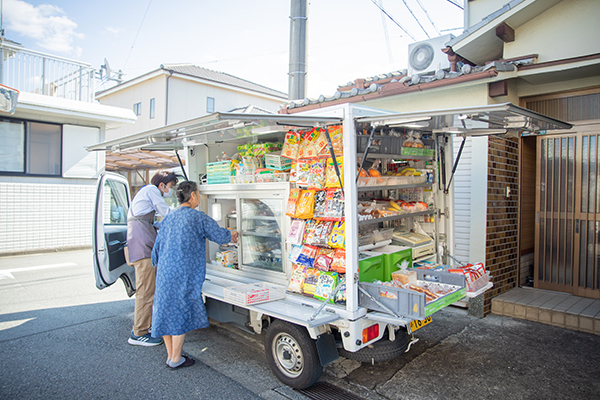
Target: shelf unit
400 157
395 217
393 187
250 233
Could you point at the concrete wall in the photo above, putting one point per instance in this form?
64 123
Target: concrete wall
569 29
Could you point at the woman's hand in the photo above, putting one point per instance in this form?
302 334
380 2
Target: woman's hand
234 236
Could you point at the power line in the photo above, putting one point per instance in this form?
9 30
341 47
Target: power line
393 20
456 3
416 19
387 36
136 35
428 17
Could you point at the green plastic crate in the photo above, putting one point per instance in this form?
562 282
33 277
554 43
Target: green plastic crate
370 269
392 257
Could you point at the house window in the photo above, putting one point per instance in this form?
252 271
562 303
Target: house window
210 105
152 103
30 148
137 108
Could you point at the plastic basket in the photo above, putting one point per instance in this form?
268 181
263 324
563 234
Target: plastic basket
479 283
253 293
276 162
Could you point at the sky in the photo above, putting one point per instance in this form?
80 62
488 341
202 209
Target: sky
347 39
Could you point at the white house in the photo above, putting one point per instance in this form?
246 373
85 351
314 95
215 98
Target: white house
47 178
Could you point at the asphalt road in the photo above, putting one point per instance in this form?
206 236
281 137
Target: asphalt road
60 337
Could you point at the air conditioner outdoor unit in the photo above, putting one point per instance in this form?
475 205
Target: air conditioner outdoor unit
427 56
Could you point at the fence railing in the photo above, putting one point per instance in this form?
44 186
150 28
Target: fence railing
35 72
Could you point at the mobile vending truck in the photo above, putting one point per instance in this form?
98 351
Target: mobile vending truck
343 224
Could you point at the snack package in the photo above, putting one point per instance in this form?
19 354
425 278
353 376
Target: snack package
297 279
316 174
320 205
307 256
302 172
295 253
334 205
296 233
317 233
340 296
290 145
311 277
292 202
306 204
307 147
337 236
331 178
336 135
326 284
321 142
322 262
339 262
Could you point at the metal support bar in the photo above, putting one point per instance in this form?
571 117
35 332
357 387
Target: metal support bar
181 165
364 157
462 146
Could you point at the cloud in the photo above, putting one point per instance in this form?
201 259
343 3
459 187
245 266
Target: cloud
46 24
113 30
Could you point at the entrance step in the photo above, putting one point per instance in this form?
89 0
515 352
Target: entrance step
547 307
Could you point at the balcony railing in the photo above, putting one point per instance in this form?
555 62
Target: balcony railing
35 72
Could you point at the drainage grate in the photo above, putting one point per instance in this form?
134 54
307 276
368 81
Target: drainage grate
325 391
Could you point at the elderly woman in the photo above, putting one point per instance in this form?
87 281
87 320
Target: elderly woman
180 258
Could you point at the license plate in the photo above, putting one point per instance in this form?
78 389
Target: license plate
416 324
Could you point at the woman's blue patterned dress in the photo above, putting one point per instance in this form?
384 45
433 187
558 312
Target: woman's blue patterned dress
179 254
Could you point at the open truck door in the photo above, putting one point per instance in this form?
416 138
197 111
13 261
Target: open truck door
110 232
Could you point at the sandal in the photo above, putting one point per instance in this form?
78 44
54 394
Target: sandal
189 361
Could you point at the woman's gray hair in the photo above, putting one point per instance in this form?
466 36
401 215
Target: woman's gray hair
185 190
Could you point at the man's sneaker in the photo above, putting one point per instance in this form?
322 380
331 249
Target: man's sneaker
145 340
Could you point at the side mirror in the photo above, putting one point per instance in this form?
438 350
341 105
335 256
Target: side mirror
8 99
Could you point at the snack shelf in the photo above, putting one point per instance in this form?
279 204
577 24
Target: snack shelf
395 217
392 187
400 157
274 235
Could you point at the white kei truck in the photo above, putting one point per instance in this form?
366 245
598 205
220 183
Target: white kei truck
303 334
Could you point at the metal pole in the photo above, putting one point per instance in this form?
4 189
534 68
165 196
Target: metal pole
298 34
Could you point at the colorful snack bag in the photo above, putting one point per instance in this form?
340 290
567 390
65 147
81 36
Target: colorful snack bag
322 262
296 233
316 174
290 145
334 205
326 284
303 172
337 139
322 232
331 178
295 253
320 205
309 232
308 147
311 276
321 141
337 236
339 261
292 203
297 279
307 256
306 204
340 296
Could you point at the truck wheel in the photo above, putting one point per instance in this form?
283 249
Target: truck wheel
292 355
382 350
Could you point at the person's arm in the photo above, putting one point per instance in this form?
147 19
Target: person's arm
158 203
156 249
214 232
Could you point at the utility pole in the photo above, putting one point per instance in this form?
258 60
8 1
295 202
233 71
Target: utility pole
298 35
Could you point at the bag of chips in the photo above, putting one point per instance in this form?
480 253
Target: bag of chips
337 236
290 145
292 202
296 233
297 279
302 172
340 296
322 262
334 205
311 276
307 256
337 139
339 261
316 174
295 253
326 284
306 204
331 178
319 212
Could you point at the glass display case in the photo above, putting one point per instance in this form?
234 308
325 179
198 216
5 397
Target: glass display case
261 233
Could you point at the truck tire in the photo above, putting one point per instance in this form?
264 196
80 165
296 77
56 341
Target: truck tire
382 350
292 355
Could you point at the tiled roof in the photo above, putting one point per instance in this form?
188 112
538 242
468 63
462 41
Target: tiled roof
221 77
398 81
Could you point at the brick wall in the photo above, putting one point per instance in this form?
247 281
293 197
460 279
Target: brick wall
37 217
502 216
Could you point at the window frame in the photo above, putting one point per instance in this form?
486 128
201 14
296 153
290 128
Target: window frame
208 110
137 108
152 112
26 149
